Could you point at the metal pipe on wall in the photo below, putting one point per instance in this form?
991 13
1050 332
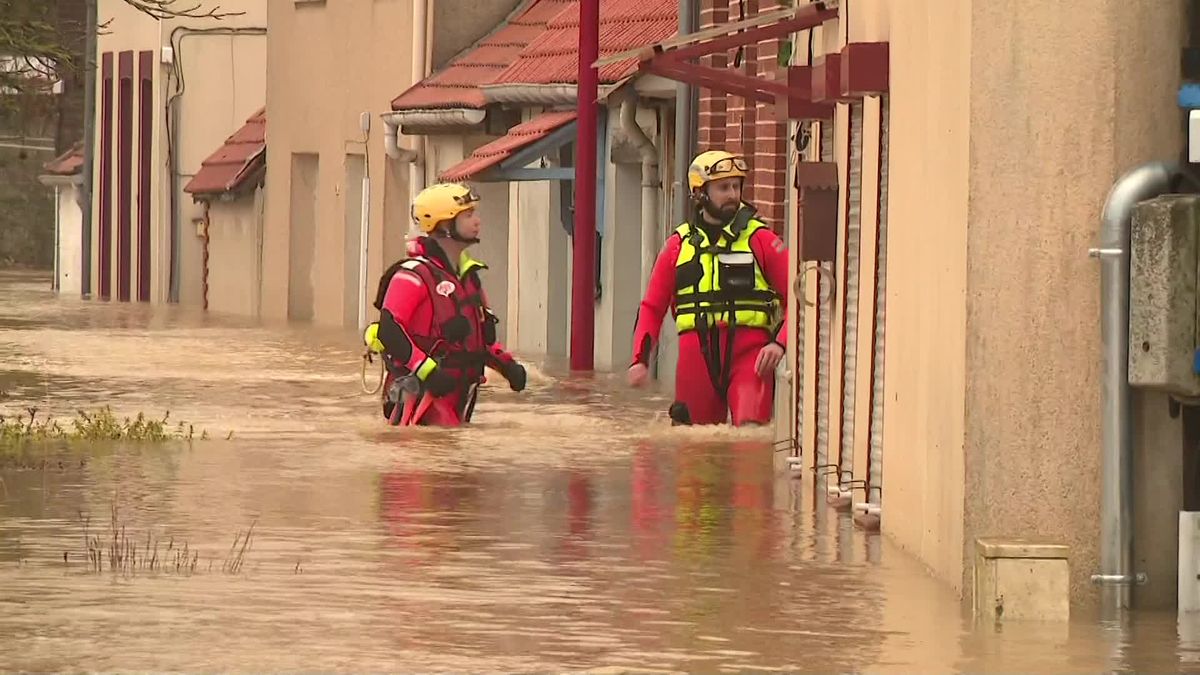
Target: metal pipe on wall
685 118
1116 483
650 182
420 51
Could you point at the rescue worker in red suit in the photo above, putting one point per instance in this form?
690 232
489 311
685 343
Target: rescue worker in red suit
724 276
435 328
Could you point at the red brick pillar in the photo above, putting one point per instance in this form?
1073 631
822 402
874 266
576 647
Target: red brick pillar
711 127
770 145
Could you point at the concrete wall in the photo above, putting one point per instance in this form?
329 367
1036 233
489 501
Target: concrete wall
70 245
538 288
458 24
991 363
1032 433
222 83
329 63
235 253
925 356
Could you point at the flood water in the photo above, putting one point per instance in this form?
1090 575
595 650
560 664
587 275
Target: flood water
570 528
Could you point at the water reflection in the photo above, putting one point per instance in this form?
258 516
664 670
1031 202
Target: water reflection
570 528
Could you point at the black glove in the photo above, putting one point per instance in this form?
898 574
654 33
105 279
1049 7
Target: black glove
515 374
438 383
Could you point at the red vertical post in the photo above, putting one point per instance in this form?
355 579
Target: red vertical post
124 173
104 255
583 281
145 137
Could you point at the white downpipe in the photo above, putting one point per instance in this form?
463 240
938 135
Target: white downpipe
363 245
650 182
57 237
420 51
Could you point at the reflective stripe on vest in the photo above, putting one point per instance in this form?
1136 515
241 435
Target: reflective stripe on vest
700 269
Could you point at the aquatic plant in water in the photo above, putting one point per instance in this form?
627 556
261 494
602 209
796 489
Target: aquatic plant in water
99 425
116 551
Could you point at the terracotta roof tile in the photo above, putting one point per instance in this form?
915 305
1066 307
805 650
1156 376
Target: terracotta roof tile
457 84
502 148
232 163
553 58
67 164
540 45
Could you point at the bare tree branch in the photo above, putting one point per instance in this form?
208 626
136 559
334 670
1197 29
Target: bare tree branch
165 9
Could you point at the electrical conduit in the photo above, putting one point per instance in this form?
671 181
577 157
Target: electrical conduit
1116 474
650 182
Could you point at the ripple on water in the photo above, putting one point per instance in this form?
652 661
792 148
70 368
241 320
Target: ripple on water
570 528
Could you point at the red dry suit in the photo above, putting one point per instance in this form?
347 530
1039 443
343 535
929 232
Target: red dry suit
713 378
427 311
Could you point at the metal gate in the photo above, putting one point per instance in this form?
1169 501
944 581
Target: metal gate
850 282
824 309
875 459
799 367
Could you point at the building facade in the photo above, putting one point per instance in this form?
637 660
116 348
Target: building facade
335 67
167 92
502 115
948 370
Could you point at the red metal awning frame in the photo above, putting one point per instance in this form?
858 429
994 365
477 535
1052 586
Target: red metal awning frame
673 63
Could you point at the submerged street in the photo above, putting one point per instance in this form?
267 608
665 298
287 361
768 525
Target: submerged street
569 528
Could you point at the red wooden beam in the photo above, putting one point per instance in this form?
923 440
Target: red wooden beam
727 81
733 82
808 17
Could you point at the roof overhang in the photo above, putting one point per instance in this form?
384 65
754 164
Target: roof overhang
435 120
671 58
505 158
543 94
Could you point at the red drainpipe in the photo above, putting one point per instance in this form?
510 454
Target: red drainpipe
204 276
583 286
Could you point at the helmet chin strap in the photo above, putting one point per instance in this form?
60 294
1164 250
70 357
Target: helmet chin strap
451 232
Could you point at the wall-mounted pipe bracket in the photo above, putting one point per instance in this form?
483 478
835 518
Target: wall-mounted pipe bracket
1138 579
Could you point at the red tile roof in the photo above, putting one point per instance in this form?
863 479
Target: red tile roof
457 84
553 58
235 161
67 164
502 148
539 44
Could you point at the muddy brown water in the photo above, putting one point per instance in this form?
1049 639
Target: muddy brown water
570 528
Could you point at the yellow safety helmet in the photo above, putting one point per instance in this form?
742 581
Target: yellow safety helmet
438 203
715 165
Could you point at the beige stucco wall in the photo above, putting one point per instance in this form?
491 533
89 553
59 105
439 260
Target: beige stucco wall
925 353
234 246
224 83
329 63
991 423
1103 93
459 23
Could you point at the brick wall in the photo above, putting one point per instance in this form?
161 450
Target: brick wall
737 125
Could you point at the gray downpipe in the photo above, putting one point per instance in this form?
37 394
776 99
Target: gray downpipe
1116 475
650 181
686 116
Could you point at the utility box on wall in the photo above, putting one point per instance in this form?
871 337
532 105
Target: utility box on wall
1163 309
1021 579
817 183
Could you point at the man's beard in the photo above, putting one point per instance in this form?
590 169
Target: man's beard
723 214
